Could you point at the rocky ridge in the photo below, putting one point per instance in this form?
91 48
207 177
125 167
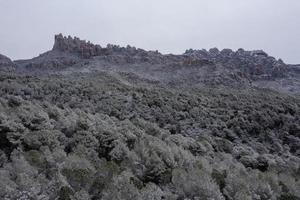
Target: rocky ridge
195 67
256 64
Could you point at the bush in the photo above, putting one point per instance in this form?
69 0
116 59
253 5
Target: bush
195 183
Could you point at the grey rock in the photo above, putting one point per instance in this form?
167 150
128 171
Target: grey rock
6 65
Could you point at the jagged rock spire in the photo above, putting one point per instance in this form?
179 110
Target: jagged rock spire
75 45
88 50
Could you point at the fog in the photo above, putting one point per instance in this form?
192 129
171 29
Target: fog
27 28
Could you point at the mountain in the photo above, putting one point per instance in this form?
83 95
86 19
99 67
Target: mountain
83 121
195 67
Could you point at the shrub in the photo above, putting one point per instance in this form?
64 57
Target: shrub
195 183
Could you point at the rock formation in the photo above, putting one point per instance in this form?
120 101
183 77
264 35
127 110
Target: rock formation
77 46
256 64
211 67
6 65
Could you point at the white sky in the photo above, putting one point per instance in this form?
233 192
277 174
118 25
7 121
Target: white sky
27 27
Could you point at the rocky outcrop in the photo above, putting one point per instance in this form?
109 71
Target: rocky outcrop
6 65
77 46
256 64
211 67
87 50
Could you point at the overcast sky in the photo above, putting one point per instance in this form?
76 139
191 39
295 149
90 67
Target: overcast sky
27 27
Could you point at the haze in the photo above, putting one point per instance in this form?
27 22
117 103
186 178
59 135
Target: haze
170 26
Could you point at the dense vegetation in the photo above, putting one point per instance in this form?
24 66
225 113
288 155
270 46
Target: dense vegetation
101 136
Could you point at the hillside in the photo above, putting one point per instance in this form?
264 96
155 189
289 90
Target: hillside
237 69
83 121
